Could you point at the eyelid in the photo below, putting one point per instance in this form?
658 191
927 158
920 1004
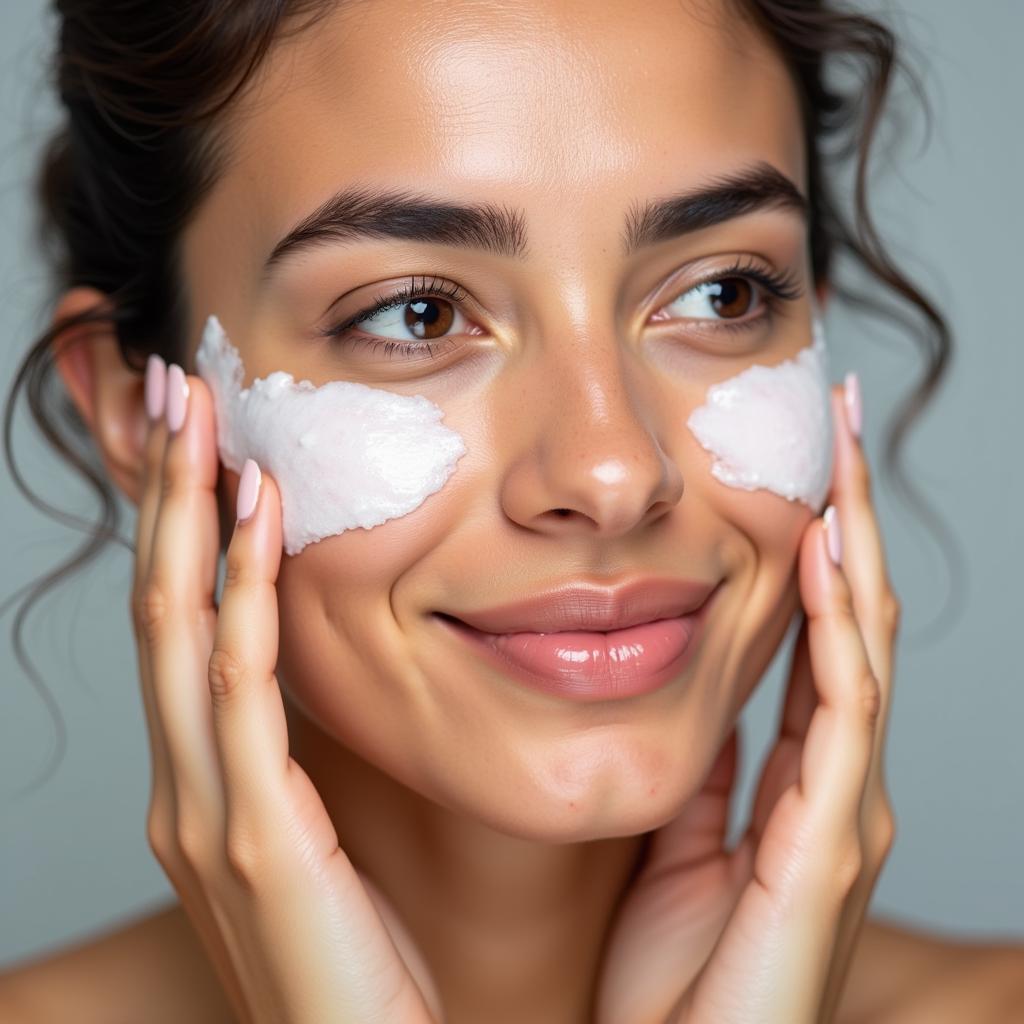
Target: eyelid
403 293
783 285
778 286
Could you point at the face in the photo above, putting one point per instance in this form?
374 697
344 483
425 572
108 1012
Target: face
568 358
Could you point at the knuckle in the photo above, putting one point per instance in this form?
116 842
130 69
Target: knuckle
150 610
870 697
849 866
161 840
892 610
233 569
226 674
191 838
244 858
883 832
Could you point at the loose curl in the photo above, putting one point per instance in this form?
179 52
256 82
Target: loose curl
144 84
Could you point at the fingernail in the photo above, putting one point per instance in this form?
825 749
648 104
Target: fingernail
177 397
854 410
833 535
155 387
248 490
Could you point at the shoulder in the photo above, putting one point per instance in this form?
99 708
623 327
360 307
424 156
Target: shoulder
906 975
155 969
152 969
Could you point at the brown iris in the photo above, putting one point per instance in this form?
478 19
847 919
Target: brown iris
731 296
428 318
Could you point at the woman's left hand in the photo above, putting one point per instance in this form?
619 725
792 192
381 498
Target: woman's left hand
765 933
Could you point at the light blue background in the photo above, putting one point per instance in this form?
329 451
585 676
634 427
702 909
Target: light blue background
73 855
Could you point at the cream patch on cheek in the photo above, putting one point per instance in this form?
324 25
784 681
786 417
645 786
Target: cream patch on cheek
344 455
770 427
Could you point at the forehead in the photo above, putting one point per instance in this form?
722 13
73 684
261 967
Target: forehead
564 107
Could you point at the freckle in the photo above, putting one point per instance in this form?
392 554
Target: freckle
572 803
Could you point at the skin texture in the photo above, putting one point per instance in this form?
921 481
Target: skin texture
502 826
566 388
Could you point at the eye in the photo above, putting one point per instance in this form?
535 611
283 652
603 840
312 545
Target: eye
421 317
413 321
744 293
727 298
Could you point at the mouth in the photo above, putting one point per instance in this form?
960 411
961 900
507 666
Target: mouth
590 643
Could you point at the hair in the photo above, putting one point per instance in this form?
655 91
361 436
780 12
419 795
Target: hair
144 86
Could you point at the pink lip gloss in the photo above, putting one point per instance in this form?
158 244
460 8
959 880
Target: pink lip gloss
592 666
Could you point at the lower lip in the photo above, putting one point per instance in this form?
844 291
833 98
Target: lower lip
585 666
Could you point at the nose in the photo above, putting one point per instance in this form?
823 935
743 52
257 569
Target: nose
589 462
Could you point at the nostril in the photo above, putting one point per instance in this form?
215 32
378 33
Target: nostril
563 512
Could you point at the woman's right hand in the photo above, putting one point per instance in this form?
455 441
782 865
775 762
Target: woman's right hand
295 933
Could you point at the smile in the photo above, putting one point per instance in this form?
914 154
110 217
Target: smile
591 644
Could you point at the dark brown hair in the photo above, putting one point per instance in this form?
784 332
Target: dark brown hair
143 85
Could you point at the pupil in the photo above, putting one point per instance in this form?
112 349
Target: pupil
731 297
427 318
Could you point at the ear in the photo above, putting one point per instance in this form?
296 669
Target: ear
107 393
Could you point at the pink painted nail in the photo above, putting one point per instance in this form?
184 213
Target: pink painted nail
854 409
177 397
248 490
155 387
833 535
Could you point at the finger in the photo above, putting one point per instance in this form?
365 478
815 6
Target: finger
782 766
153 453
840 737
874 601
179 593
801 697
248 711
164 828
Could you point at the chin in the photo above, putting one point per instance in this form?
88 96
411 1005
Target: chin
605 785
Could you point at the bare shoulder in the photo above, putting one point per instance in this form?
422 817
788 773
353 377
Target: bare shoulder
152 969
902 974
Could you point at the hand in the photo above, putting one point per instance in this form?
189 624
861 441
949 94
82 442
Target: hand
764 933
295 933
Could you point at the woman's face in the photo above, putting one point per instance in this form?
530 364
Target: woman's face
569 364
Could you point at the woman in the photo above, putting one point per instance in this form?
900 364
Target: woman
381 789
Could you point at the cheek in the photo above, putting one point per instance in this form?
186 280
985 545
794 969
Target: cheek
355 599
344 455
770 427
769 527
760 545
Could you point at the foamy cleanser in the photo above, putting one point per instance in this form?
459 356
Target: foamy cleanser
344 455
770 427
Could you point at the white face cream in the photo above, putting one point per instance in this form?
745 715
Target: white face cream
342 454
770 427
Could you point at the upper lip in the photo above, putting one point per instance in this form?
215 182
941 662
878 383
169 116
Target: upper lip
590 608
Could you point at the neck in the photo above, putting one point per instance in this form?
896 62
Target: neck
511 929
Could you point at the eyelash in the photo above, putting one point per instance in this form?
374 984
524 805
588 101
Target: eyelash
406 293
779 288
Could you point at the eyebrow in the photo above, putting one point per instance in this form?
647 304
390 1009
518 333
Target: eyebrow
362 212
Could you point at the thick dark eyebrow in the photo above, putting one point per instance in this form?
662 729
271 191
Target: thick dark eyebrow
368 212
758 187
371 212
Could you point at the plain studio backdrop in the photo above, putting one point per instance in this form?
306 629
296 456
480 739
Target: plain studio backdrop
73 852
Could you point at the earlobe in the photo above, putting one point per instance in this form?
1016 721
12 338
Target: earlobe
107 393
